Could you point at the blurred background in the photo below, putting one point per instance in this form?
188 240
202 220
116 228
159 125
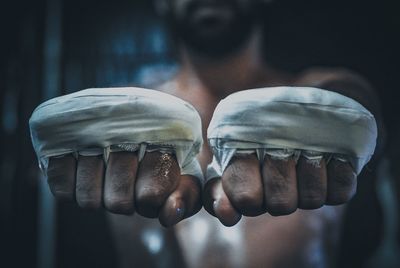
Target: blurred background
53 47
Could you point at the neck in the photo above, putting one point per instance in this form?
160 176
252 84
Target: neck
222 76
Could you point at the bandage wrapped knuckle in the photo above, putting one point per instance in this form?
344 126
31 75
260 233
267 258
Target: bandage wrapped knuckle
288 122
102 120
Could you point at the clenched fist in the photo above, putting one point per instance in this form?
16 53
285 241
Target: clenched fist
279 149
127 149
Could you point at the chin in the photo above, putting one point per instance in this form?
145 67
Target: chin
217 40
213 30
217 44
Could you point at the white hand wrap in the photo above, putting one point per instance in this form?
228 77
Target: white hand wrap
289 121
101 120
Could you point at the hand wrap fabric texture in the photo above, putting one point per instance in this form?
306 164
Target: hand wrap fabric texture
291 121
101 120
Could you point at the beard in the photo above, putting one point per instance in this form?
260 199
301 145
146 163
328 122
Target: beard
215 31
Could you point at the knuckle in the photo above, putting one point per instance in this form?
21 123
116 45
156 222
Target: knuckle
86 191
118 205
277 186
85 178
247 202
119 171
344 180
340 197
281 206
62 195
88 203
245 198
153 196
88 185
311 201
120 187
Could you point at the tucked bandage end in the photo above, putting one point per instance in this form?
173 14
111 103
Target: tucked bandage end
103 120
288 122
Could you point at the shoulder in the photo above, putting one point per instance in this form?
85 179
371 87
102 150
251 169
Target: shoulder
343 81
317 76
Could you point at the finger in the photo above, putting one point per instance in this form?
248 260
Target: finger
119 182
312 183
158 176
61 177
223 208
184 202
242 184
280 185
342 182
217 203
89 181
209 195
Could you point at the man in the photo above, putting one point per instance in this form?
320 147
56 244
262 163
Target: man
220 50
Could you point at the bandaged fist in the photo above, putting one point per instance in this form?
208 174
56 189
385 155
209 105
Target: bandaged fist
279 149
125 149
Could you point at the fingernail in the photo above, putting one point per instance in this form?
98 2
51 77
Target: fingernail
215 205
178 214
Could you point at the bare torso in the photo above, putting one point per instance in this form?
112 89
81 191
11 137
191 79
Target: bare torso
300 239
305 238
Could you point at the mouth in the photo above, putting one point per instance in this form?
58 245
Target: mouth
212 16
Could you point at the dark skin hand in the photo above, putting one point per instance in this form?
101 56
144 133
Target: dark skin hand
152 188
280 187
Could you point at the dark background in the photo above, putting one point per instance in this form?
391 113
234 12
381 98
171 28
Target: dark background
48 48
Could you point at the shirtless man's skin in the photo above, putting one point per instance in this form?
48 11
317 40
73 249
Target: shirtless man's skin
212 68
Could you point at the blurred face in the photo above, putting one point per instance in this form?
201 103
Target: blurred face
214 27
